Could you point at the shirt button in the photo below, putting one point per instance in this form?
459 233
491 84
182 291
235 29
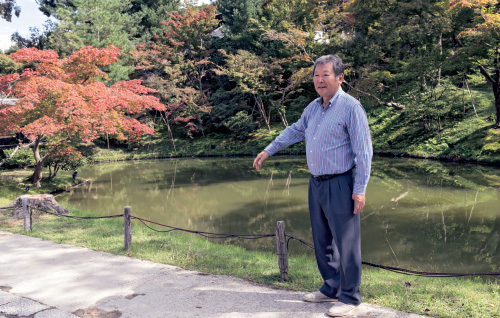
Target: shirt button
322 113
311 151
318 125
314 138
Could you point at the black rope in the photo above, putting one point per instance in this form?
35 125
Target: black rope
204 234
259 236
407 271
428 274
297 239
79 217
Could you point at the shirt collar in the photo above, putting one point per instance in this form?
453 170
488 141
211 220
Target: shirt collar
339 92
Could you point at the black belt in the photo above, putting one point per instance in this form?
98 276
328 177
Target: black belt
325 177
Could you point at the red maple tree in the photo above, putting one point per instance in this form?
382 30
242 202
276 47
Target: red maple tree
182 54
63 101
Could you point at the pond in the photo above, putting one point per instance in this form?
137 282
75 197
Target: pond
420 214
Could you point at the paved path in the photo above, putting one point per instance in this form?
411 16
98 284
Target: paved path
43 279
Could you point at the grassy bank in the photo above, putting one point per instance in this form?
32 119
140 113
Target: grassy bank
436 297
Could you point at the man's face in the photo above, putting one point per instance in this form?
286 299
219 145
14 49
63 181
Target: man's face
325 81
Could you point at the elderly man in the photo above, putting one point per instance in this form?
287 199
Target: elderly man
339 154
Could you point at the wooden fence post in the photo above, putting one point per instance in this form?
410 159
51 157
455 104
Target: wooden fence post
282 249
128 228
26 214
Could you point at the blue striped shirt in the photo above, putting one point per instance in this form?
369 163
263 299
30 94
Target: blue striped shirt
337 138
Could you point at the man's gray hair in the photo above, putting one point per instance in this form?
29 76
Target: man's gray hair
338 66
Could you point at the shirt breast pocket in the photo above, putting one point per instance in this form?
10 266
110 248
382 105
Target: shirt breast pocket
337 129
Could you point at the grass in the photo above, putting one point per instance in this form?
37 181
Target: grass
437 297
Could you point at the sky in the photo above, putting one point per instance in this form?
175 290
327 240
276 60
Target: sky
30 17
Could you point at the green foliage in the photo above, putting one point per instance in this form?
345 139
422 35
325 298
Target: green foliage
22 159
39 37
8 66
152 12
238 14
97 23
436 58
241 123
8 8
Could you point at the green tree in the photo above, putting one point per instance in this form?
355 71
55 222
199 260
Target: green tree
241 26
477 27
254 78
152 12
8 66
238 14
38 38
397 53
7 7
96 23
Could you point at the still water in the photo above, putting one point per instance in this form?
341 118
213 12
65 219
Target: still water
419 214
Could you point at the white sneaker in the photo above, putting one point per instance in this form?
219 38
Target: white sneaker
340 309
318 297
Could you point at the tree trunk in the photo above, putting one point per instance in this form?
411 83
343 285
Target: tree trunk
496 91
262 111
36 202
37 175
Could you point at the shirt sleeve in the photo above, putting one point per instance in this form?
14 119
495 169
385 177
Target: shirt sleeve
361 142
292 134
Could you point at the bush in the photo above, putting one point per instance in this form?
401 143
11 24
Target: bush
23 158
242 124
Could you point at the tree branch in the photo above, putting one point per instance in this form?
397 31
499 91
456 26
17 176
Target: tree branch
482 69
15 150
388 104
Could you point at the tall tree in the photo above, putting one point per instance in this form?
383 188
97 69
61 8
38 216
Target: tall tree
241 24
96 23
477 26
396 49
61 103
38 38
256 79
152 12
238 14
7 7
182 56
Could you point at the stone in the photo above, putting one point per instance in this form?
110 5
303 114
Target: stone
22 307
7 298
54 313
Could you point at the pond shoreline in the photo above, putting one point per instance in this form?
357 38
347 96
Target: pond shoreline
375 154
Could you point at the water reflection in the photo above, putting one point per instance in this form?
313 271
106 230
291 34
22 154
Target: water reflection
424 215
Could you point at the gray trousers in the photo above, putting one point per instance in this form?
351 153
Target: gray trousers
337 237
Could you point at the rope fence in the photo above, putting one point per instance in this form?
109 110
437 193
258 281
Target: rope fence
282 240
